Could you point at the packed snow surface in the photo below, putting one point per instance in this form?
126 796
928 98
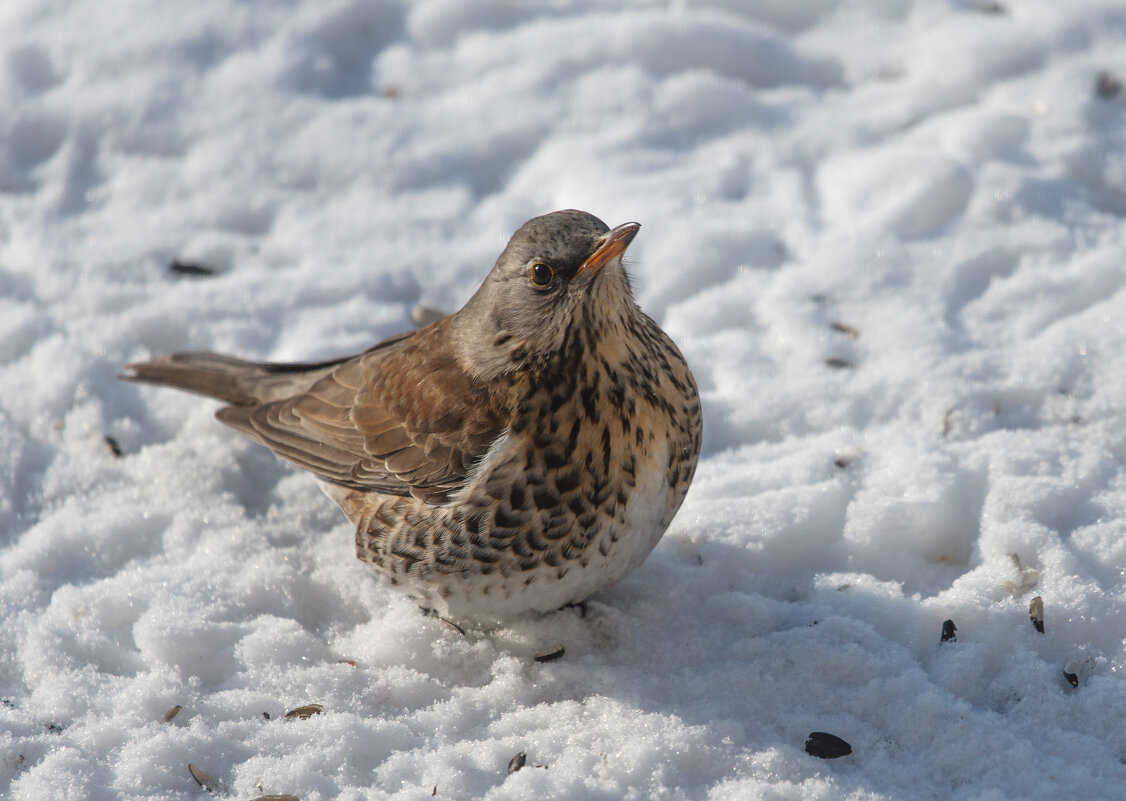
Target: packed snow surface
888 236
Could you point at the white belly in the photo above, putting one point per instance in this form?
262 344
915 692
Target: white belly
647 515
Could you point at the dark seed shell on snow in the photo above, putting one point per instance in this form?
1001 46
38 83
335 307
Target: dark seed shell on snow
304 712
1076 668
551 654
826 746
204 780
1036 613
190 268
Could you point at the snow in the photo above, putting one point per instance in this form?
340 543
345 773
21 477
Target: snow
888 237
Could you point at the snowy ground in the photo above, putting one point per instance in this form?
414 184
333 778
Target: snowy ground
889 238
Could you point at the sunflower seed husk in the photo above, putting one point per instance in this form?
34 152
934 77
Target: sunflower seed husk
207 782
1028 577
1076 669
1071 673
304 712
551 654
190 268
826 746
1036 613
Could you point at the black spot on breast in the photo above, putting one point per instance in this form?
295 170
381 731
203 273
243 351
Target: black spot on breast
598 494
589 397
553 459
533 464
444 558
535 541
486 557
517 497
557 528
545 498
508 520
478 539
573 436
566 482
587 520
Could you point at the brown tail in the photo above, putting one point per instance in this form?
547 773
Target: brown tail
238 382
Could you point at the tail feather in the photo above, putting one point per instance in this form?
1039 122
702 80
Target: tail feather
235 381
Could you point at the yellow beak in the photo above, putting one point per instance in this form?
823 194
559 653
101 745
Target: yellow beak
614 244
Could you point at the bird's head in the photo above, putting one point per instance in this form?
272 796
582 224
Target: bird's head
558 283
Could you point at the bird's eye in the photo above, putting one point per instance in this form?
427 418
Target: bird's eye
542 275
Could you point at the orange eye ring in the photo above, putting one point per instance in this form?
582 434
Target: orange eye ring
541 275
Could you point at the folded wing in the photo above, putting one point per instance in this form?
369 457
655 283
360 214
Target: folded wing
401 419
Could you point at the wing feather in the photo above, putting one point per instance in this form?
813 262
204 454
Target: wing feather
402 418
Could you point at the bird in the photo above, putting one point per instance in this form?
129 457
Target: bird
513 457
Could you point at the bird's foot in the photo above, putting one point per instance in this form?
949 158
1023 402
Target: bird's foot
434 613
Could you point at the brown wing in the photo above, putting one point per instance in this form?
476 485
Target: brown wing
402 418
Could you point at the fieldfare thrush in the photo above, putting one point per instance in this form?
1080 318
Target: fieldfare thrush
517 455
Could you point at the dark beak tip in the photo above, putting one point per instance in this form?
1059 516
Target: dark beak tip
624 233
611 244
